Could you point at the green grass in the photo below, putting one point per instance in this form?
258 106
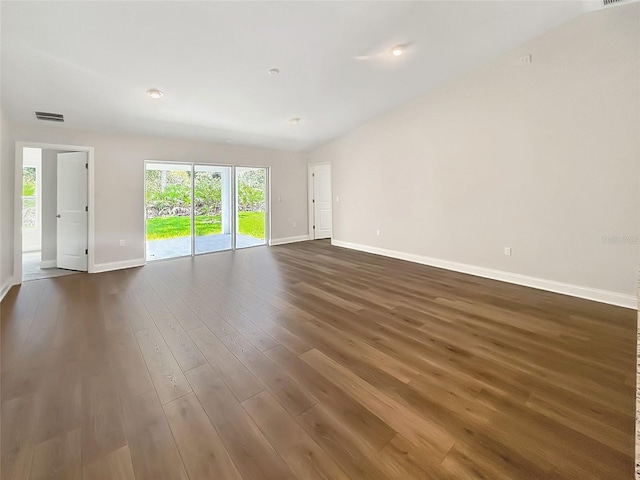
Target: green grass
249 223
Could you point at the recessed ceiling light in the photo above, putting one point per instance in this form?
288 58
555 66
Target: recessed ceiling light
294 120
156 94
398 50
274 72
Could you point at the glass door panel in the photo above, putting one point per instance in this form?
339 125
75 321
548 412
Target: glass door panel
30 214
212 208
168 210
251 206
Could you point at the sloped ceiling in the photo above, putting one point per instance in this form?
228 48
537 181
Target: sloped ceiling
94 62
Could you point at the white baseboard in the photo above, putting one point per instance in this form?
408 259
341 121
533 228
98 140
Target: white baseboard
109 266
48 263
603 296
6 287
282 241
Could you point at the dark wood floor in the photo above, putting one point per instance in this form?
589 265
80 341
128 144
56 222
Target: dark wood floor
312 362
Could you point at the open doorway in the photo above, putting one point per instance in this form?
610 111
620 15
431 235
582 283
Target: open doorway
52 211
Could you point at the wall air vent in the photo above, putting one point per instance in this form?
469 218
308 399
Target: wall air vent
51 117
611 2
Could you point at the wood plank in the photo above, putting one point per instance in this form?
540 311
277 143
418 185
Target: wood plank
153 451
285 337
17 444
239 380
134 311
114 466
346 449
39 341
208 316
352 345
558 452
587 425
130 373
21 382
290 395
17 316
59 457
369 428
251 452
428 435
180 310
303 455
202 451
58 403
103 428
400 460
182 347
115 314
165 373
250 330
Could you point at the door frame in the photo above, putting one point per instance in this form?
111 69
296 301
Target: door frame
311 209
17 202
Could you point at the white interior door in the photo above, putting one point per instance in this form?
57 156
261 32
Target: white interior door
72 211
322 201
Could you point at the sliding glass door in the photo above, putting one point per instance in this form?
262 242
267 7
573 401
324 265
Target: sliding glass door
251 206
194 208
212 204
168 210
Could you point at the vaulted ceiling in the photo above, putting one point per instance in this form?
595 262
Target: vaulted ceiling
95 61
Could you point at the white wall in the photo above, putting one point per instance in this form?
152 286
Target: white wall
119 183
5 278
6 205
543 158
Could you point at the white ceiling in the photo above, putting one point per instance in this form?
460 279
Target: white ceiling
94 61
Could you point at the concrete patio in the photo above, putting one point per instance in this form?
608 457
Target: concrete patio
181 246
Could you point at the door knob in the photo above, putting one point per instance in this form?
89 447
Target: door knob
58 215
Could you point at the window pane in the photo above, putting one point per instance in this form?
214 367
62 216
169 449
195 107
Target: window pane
168 210
251 198
29 205
212 207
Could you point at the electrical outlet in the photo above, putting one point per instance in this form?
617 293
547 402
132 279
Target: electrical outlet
122 243
507 251
295 224
337 198
378 233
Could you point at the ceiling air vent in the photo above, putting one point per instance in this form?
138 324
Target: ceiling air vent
51 117
611 2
